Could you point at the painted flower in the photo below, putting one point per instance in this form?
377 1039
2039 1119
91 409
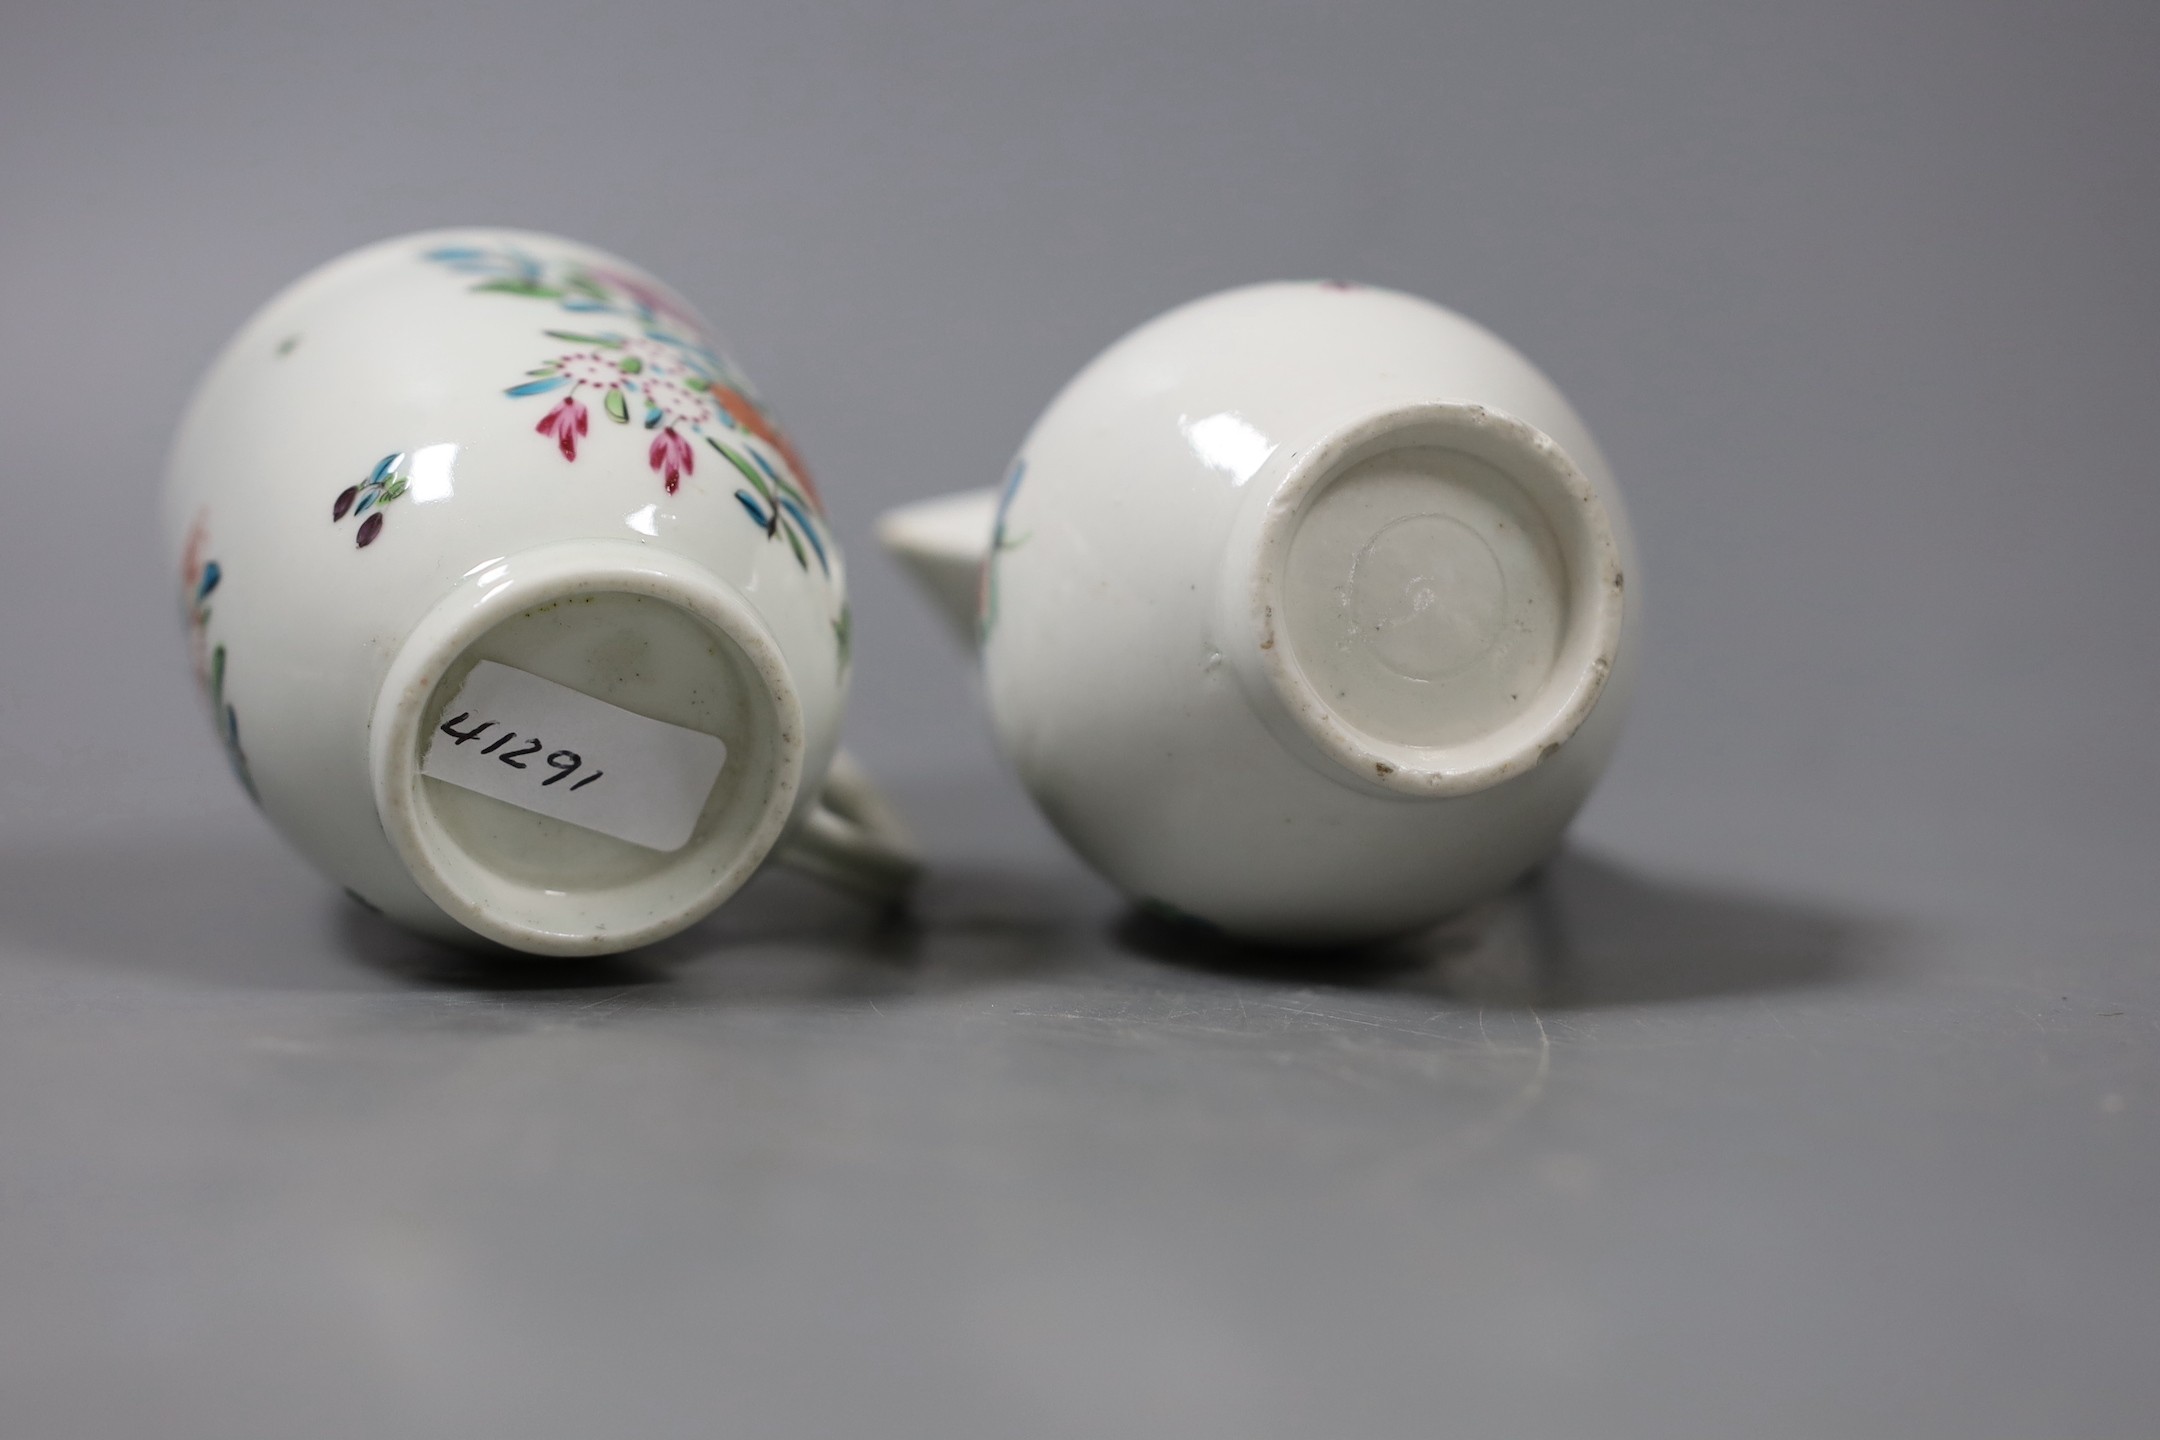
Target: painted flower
657 356
199 577
564 424
670 458
671 403
366 501
650 363
590 367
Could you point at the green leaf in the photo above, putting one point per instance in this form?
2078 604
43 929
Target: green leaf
795 545
749 472
532 288
617 408
585 285
633 366
394 489
605 342
780 479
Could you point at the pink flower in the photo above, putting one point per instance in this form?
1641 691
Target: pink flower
564 424
670 458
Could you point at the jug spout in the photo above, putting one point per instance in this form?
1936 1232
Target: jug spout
942 544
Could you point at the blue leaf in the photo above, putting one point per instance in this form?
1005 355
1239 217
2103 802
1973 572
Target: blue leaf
538 387
765 465
652 417
383 467
211 574
365 501
809 531
756 513
456 254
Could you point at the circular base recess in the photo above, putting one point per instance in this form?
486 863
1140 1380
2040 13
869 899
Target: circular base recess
657 638
1425 597
1450 595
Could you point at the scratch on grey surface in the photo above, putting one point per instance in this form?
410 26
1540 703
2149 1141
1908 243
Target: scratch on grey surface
1365 1051
606 1004
1504 1114
1533 1088
1313 1013
1776 1018
1236 1018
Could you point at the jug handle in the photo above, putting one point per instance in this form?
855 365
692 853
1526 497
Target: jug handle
853 837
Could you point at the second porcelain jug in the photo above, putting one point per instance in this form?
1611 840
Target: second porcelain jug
1307 611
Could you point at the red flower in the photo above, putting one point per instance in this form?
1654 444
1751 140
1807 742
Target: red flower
670 458
564 424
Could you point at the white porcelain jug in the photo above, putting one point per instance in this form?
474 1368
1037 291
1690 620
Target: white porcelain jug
1306 611
516 612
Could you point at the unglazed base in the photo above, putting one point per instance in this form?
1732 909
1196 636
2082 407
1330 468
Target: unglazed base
640 631
1437 599
1425 597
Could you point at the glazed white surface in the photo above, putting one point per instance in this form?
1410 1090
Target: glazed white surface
1111 654
385 351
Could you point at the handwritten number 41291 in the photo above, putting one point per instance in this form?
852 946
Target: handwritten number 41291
564 763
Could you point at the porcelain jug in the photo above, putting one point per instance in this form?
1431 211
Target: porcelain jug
1307 611
515 610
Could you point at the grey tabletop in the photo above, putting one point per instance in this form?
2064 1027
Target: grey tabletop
1812 1091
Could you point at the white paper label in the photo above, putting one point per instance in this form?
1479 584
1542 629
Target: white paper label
550 749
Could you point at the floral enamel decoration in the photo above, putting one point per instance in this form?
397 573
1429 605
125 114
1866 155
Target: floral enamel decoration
780 509
199 579
657 374
385 483
588 538
843 629
987 597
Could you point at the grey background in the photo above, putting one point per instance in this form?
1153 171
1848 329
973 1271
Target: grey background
1812 1092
